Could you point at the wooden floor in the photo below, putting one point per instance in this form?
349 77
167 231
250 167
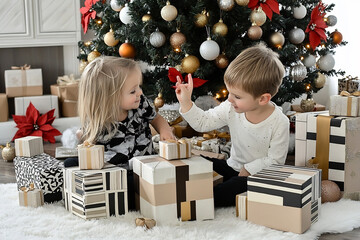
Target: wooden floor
7 175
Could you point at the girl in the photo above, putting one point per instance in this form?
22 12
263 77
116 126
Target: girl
114 112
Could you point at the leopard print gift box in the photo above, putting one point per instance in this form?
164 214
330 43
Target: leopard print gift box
42 170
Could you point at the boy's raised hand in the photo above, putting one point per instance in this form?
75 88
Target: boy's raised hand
183 93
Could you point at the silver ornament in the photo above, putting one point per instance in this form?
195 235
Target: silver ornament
299 12
309 61
331 20
298 72
115 6
296 35
326 62
226 5
157 39
209 50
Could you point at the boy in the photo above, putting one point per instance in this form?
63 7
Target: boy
258 128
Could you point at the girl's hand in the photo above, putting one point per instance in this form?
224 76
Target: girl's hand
183 93
165 135
243 172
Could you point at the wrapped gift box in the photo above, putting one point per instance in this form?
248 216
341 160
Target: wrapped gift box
96 193
4 113
241 206
184 131
91 156
317 107
332 142
175 149
42 170
26 82
344 106
349 83
42 103
68 96
30 196
279 193
29 146
169 190
69 108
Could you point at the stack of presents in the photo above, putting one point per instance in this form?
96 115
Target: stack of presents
25 85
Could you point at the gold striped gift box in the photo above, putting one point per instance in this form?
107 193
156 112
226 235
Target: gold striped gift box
30 196
175 149
28 146
91 156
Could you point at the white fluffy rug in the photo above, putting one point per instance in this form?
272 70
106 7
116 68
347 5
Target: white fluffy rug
52 221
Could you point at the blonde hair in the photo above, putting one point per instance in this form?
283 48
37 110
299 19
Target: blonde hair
257 70
99 95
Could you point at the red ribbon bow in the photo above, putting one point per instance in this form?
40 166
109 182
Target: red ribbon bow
268 6
35 125
316 26
173 73
87 13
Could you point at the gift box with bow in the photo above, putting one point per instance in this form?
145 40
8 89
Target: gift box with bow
30 196
345 104
349 83
175 149
91 156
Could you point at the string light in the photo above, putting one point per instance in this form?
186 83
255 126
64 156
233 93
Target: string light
308 46
308 87
87 43
177 49
99 21
217 96
302 58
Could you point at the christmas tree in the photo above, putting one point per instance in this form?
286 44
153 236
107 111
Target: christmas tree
202 37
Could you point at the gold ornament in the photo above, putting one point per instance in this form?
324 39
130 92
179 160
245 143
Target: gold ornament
201 19
220 28
177 39
169 12
254 32
94 54
159 102
146 17
190 64
330 191
277 40
320 80
82 65
307 105
242 2
8 152
258 16
222 61
226 5
110 40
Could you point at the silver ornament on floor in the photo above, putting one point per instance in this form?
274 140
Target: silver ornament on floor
307 105
326 63
331 20
299 12
157 39
226 5
309 61
296 35
209 50
298 72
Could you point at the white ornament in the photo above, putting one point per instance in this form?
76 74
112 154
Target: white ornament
169 12
157 39
299 12
115 6
296 35
326 63
309 61
124 15
209 50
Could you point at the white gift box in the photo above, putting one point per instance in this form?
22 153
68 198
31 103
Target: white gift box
28 146
335 145
31 197
42 103
172 149
169 190
91 156
344 106
241 206
23 82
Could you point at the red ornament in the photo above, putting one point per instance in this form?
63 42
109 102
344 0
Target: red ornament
268 6
35 125
87 13
316 26
173 73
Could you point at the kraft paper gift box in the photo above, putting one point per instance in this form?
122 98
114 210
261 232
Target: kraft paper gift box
175 149
42 103
23 82
171 190
69 108
332 142
42 170
91 156
241 206
96 193
28 146
344 106
30 196
349 83
65 92
4 113
279 193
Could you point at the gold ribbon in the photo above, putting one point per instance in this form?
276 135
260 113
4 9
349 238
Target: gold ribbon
67 80
323 144
25 190
349 100
178 142
216 134
88 145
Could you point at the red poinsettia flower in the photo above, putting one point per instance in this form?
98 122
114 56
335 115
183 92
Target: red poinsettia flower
316 26
35 125
87 13
197 82
268 6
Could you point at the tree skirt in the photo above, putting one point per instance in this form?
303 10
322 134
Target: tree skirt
52 221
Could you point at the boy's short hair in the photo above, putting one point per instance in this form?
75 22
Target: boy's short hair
256 70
